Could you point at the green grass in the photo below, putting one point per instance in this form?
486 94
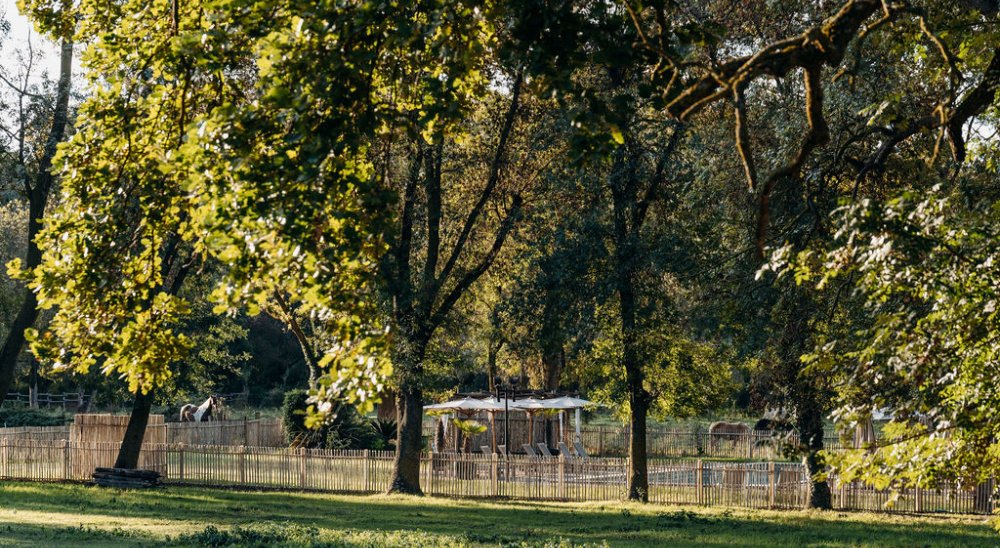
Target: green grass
76 515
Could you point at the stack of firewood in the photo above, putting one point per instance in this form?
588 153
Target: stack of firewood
126 478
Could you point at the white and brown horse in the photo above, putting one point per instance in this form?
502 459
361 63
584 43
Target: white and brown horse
203 412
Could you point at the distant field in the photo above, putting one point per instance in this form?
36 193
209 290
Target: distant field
75 515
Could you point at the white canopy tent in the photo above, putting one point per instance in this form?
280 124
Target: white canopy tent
576 404
530 405
468 406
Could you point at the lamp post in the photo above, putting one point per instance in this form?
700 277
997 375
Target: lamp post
509 391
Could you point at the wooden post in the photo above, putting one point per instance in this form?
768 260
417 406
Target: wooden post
180 461
243 464
65 463
5 459
302 467
771 484
431 458
699 484
562 476
494 473
367 475
600 442
918 499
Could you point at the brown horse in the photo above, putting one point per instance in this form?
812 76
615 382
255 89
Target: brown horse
733 432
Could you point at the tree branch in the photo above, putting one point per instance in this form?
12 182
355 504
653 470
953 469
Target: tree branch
473 274
494 178
818 135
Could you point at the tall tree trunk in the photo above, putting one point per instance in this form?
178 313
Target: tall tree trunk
638 397
638 478
386 409
409 428
33 385
38 195
806 396
810 424
135 432
551 341
406 466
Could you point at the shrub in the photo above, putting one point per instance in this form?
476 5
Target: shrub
385 433
293 419
17 417
346 430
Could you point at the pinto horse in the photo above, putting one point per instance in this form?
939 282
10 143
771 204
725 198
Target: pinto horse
201 413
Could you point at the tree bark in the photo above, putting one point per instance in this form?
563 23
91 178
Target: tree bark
638 397
38 195
406 466
386 409
810 424
638 476
135 432
806 395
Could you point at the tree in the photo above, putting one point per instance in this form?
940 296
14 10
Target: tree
33 168
429 269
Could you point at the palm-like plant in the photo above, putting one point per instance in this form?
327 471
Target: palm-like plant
468 428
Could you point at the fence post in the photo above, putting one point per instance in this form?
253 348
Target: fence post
494 472
562 476
65 466
699 483
918 498
600 442
806 485
243 464
771 484
5 459
432 458
180 461
302 467
367 474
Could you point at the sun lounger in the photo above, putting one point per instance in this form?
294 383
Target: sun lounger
544 449
565 450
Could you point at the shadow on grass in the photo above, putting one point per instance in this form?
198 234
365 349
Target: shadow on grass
32 534
475 522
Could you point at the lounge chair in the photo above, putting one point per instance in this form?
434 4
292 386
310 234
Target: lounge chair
486 449
580 450
529 450
565 450
544 450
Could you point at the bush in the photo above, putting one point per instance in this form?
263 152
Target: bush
18 417
293 419
385 433
347 430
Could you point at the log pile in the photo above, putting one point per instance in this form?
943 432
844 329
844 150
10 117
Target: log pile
126 478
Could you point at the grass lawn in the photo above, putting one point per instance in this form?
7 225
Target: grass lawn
75 515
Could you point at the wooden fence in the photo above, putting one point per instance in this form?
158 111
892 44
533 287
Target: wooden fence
68 402
257 432
673 481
